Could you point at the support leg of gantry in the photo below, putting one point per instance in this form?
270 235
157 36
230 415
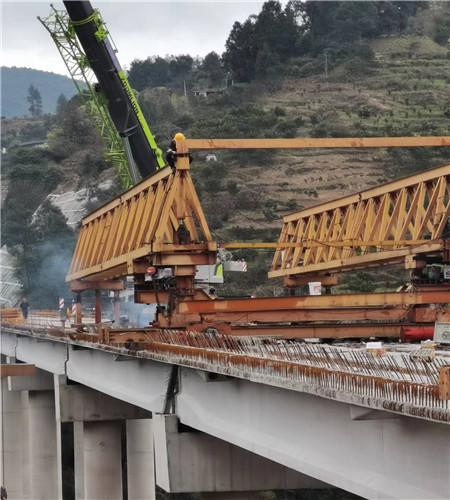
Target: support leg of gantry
43 446
102 460
78 315
98 307
12 435
116 307
140 460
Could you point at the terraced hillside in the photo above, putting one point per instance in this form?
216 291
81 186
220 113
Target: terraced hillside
406 93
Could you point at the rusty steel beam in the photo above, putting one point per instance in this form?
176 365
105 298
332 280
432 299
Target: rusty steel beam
319 331
395 313
79 286
17 370
316 301
306 143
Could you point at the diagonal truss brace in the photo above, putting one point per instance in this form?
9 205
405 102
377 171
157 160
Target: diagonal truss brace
413 209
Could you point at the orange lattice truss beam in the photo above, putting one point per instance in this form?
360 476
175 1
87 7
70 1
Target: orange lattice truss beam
362 230
126 235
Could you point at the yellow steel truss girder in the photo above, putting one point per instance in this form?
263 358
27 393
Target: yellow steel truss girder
389 222
305 143
139 223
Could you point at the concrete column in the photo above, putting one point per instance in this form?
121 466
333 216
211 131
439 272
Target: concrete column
11 442
78 460
102 461
25 458
43 446
140 460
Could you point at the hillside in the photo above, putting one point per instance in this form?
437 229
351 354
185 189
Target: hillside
15 84
404 91
407 92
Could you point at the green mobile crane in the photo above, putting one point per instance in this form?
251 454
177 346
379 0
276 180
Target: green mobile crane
81 37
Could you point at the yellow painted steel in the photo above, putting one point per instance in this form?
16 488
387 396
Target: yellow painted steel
414 208
352 142
137 224
317 244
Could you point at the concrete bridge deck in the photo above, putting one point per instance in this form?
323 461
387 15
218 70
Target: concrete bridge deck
377 440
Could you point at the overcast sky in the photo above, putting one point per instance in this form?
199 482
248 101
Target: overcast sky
139 29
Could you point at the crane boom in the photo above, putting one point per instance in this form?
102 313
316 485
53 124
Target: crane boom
113 83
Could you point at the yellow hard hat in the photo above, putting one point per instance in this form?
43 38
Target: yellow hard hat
179 137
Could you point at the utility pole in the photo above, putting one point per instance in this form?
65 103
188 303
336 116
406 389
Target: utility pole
326 65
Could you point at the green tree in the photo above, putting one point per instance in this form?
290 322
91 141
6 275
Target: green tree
273 33
34 99
61 103
441 23
212 65
266 62
156 105
241 50
169 71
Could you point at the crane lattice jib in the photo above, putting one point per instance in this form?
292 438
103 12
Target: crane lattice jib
60 28
350 231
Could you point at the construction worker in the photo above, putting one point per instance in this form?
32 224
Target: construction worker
171 153
24 305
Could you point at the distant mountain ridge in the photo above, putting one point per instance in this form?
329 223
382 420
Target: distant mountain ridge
14 87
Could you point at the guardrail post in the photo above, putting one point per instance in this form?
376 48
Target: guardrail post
444 382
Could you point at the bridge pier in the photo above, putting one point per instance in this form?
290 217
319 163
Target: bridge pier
29 437
140 459
78 460
12 437
44 457
102 460
97 420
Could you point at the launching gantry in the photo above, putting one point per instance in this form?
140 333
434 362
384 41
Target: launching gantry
160 223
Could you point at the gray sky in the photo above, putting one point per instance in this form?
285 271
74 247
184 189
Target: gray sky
139 29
